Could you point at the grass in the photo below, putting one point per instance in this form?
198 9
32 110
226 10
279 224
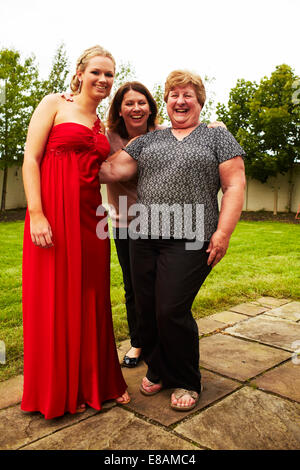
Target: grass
263 260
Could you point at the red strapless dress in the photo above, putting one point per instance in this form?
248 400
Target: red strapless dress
70 354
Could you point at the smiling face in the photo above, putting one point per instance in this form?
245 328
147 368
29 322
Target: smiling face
135 111
98 77
183 107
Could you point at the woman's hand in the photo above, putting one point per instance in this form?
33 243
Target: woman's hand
133 138
215 124
40 231
217 247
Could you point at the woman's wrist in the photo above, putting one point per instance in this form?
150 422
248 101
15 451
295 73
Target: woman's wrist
224 232
35 212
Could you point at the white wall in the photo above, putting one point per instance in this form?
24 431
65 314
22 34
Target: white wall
15 195
258 196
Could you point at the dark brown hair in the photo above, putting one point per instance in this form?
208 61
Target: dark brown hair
115 122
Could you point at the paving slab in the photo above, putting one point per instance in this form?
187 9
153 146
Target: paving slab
237 358
290 311
11 391
123 349
246 420
271 302
18 428
157 407
248 309
228 317
117 429
268 330
208 325
283 380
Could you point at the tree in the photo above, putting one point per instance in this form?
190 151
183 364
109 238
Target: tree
158 95
19 98
265 119
237 113
56 82
209 105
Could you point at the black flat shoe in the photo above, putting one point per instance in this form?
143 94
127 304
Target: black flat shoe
131 361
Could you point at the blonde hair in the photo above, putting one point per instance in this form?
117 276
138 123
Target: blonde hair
182 78
82 63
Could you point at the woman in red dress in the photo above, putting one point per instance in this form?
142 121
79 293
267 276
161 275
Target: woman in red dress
70 356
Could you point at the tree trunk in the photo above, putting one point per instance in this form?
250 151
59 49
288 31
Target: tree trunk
275 200
247 190
4 185
291 189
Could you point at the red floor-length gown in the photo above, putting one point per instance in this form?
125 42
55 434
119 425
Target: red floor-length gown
70 356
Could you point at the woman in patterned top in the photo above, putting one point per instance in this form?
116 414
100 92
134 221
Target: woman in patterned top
132 113
180 171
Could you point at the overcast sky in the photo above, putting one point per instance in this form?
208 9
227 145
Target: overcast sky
224 39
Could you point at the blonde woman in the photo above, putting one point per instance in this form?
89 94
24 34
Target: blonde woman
70 357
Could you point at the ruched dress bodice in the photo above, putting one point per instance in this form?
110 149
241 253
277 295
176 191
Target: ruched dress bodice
87 145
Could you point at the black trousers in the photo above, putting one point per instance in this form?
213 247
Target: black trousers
166 279
122 247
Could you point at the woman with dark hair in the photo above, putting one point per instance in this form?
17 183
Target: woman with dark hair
132 113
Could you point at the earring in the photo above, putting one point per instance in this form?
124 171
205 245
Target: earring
80 85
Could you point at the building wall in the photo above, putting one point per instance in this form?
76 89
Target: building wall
15 195
258 196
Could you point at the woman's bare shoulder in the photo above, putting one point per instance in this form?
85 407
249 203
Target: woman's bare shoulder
46 110
51 101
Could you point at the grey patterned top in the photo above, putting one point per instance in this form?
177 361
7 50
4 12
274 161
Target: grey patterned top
181 175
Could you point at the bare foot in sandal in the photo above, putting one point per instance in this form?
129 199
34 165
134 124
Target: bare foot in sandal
149 388
81 408
124 399
184 400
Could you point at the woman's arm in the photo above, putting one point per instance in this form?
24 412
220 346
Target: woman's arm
118 167
38 131
232 177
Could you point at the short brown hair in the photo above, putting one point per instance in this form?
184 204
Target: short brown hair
182 78
115 122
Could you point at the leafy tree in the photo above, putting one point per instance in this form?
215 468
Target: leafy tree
265 119
209 105
56 82
276 118
19 98
236 114
158 95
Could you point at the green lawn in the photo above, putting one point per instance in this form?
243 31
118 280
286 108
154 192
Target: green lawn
263 260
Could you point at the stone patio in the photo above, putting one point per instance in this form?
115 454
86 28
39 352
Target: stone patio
251 398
